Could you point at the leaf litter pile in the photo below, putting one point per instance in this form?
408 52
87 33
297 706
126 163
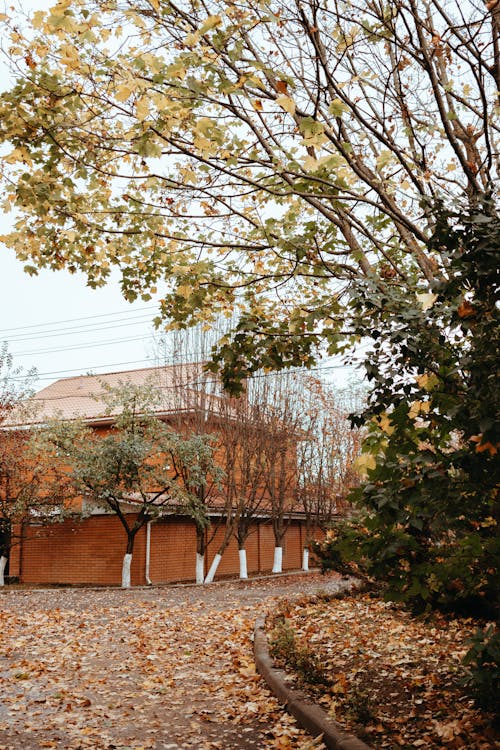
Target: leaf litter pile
163 668
391 679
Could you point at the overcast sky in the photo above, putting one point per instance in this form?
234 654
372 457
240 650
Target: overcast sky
55 323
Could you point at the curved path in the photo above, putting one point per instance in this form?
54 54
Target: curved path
162 668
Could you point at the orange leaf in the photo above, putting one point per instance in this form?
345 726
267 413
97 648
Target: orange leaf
492 449
282 87
466 310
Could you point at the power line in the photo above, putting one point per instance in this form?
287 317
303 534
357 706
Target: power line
48 375
89 345
54 333
73 320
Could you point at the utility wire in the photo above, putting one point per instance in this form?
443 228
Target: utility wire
74 320
121 323
89 345
48 375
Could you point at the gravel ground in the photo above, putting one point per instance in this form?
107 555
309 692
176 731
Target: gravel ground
158 667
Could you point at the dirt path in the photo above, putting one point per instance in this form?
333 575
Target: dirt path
162 668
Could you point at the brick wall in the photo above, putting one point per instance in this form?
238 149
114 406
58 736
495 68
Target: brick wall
173 550
91 552
87 552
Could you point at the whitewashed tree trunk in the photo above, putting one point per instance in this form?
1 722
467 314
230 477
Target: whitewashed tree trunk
148 553
243 563
200 568
213 568
278 560
127 562
3 565
305 559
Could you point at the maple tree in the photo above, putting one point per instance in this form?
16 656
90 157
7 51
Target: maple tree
285 161
263 158
139 470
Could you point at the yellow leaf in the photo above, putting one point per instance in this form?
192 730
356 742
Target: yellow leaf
384 158
427 382
418 407
142 108
211 23
189 175
123 92
18 154
184 291
426 300
337 108
385 424
365 463
286 103
311 164
69 57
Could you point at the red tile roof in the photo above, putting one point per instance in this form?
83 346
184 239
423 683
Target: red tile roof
182 388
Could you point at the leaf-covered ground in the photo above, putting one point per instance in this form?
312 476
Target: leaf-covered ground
391 679
162 668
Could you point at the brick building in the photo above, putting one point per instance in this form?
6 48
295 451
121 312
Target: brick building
90 551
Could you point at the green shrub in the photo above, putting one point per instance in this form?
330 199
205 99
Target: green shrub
483 661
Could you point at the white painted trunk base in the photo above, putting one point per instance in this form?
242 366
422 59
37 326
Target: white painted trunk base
200 568
305 559
127 562
213 568
278 560
148 553
243 563
3 565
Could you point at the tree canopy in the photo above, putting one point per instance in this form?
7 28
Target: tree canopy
260 156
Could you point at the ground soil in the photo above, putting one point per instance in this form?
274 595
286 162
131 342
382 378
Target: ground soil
163 668
394 680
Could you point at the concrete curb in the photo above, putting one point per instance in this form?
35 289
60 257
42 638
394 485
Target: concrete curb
309 716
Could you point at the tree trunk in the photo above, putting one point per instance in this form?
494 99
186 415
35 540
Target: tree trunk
278 560
3 564
243 563
127 562
305 558
213 568
200 568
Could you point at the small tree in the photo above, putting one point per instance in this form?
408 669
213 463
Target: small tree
282 424
196 399
243 439
325 456
30 489
33 489
140 469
